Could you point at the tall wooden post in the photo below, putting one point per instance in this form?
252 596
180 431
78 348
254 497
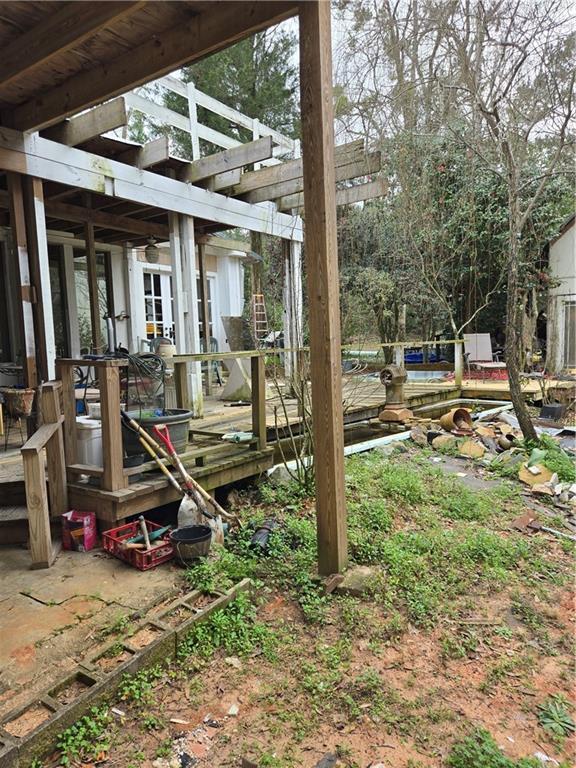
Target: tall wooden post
26 316
204 313
323 291
40 276
92 283
292 299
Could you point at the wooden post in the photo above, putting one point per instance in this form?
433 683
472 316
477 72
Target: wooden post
66 375
193 118
292 299
190 305
205 315
41 550
458 363
112 450
40 276
259 400
181 385
25 316
323 292
57 485
92 283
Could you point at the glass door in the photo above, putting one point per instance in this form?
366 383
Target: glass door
158 305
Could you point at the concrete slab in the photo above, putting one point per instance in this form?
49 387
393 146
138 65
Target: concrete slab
51 619
451 465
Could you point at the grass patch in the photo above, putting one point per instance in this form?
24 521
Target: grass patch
479 750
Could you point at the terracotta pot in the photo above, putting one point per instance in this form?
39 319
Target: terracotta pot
457 418
18 401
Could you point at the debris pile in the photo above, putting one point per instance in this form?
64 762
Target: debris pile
497 443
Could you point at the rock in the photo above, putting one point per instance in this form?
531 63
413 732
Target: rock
332 582
418 435
400 447
233 710
280 476
541 489
329 761
385 450
553 480
358 581
471 449
233 661
485 431
443 441
535 475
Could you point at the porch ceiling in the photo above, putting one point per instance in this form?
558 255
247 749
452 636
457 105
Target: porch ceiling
80 54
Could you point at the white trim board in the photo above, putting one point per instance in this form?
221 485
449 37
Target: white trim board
33 155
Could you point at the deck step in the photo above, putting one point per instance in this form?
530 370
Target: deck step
13 525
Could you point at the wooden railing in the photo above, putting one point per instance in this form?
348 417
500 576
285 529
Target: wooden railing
44 504
258 378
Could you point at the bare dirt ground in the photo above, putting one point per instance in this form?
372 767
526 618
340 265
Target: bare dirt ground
467 625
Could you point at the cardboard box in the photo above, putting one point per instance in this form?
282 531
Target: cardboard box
79 530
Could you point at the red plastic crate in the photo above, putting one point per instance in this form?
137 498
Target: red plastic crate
139 558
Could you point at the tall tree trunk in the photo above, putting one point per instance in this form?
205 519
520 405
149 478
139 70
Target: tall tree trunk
514 317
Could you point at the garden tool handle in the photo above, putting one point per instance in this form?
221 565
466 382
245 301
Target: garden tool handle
162 432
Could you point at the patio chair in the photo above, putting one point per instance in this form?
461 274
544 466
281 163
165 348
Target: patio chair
479 355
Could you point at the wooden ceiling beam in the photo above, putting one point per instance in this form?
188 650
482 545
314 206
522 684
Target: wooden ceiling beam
90 124
148 155
57 33
219 25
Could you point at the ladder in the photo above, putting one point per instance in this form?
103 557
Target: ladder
259 319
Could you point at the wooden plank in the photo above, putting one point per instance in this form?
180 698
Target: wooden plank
93 123
57 32
38 441
112 447
25 315
32 155
68 212
204 313
259 401
85 469
55 456
370 164
148 155
217 26
228 244
41 550
93 287
238 157
40 276
356 194
65 374
322 282
344 154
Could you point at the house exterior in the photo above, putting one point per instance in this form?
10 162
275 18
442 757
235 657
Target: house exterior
138 295
561 311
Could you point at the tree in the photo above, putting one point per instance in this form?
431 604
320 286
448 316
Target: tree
514 71
493 80
257 76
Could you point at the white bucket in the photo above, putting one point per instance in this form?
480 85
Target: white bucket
89 441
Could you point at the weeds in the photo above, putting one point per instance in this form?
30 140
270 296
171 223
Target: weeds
87 739
479 750
555 718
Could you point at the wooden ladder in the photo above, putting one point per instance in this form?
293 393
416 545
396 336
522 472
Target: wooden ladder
259 319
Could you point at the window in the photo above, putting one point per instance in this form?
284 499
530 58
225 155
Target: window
59 306
83 296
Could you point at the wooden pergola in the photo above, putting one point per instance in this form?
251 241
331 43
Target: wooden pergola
60 58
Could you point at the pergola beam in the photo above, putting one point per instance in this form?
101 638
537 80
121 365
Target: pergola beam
35 156
58 33
87 126
357 194
216 27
